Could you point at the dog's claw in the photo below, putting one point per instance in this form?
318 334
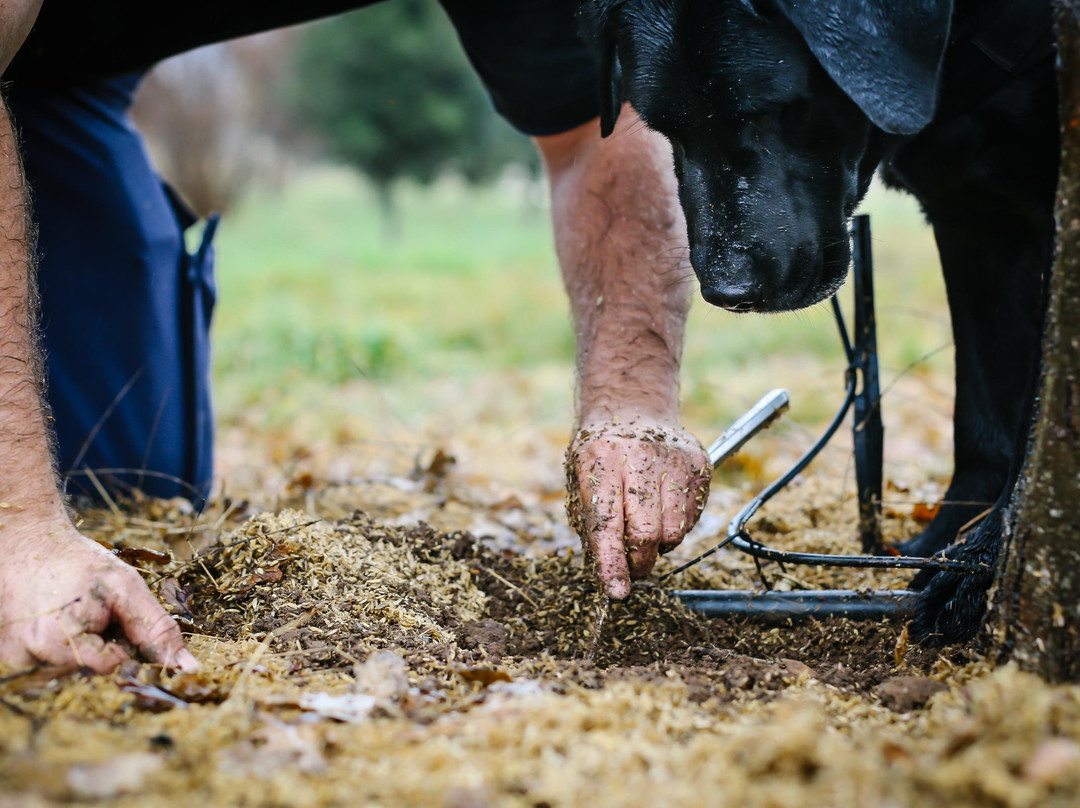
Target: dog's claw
952 606
950 609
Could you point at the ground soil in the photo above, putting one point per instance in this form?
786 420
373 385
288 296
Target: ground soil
424 637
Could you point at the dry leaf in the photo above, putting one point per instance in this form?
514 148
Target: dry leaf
119 775
142 555
485 676
350 708
925 511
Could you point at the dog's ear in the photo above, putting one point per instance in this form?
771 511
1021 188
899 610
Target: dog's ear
750 7
596 25
885 54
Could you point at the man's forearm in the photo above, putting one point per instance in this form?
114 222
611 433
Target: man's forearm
27 480
620 236
636 481
59 591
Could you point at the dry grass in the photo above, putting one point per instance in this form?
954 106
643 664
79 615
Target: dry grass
364 662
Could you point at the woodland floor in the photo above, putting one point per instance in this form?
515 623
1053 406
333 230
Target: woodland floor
379 623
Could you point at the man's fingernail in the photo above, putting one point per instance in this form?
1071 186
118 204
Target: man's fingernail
617 590
186 662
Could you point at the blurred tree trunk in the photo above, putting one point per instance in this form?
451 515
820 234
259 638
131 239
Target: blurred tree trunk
1035 617
388 209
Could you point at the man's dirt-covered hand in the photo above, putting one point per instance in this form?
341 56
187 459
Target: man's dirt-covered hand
633 491
60 593
637 482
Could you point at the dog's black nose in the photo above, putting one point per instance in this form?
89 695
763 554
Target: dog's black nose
734 297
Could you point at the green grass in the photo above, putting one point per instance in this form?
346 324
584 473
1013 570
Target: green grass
313 293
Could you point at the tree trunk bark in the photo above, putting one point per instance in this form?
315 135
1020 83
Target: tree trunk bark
1035 607
391 215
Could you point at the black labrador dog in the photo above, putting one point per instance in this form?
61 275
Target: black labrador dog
780 111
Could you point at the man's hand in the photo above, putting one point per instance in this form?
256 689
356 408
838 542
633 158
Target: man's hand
634 490
60 592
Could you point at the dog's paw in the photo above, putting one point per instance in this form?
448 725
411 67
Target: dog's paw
952 605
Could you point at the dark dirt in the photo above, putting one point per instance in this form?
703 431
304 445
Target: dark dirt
548 608
342 654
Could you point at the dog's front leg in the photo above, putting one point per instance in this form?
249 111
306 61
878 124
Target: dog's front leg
992 214
992 265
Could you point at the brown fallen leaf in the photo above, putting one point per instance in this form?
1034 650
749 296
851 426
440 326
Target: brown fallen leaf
925 511
485 676
142 555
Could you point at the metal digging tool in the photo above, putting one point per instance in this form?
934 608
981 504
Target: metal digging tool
862 391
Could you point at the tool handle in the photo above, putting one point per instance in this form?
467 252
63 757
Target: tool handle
770 407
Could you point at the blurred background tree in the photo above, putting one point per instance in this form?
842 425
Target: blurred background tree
390 91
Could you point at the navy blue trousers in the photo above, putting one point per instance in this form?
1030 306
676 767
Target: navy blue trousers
125 307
